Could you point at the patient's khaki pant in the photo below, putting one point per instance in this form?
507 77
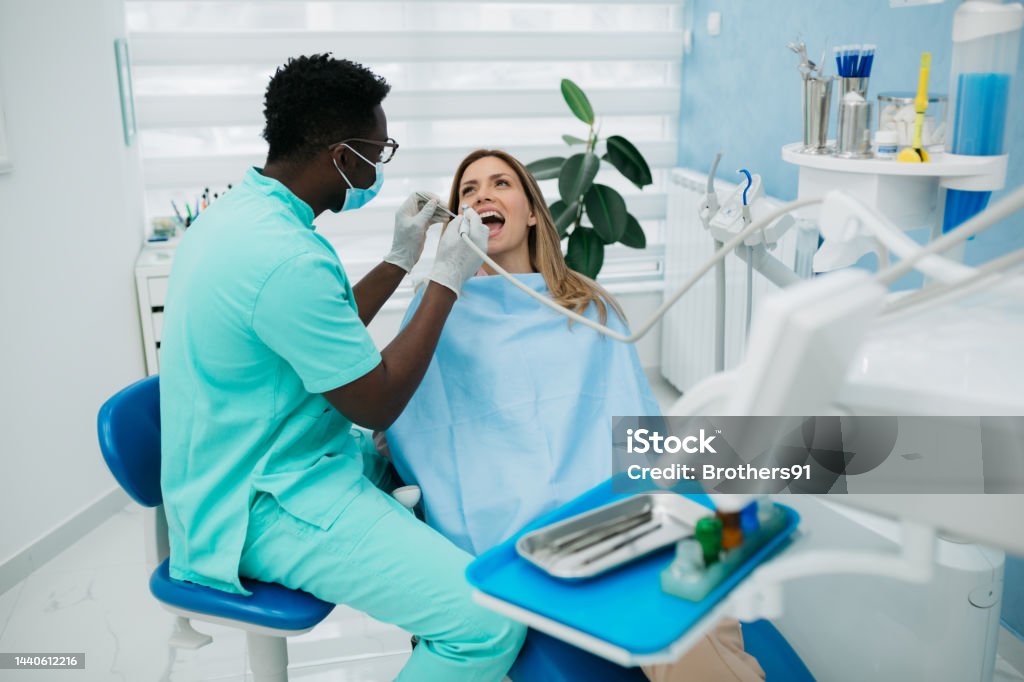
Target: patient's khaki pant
719 657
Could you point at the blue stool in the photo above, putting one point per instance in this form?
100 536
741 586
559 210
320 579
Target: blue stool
129 434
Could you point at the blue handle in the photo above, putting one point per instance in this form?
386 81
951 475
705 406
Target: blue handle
750 181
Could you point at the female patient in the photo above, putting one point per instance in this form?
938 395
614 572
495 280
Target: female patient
513 417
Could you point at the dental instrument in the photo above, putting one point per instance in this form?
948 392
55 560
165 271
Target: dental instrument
591 536
597 539
708 210
624 543
808 69
1010 204
663 521
750 260
765 222
985 220
722 222
982 221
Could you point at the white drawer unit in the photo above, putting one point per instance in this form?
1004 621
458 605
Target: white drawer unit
152 268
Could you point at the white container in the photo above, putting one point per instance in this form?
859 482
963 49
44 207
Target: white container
896 112
887 144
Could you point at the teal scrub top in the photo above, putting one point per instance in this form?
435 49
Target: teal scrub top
259 321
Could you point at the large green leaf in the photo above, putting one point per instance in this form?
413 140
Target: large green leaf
546 169
628 159
577 175
585 253
572 139
563 215
634 235
607 211
577 101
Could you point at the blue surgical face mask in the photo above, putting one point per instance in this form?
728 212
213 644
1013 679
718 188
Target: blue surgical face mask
357 197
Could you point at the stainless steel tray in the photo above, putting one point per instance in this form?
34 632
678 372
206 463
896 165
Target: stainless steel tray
591 543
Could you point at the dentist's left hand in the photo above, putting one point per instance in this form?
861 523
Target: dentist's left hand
411 223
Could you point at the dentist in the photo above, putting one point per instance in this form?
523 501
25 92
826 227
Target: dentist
266 364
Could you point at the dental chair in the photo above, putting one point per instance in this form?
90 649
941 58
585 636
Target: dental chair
129 435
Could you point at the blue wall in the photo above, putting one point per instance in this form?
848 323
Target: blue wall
741 95
741 89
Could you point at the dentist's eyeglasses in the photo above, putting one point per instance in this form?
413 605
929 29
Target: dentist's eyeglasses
387 151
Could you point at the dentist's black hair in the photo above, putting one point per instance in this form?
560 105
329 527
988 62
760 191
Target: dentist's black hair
314 101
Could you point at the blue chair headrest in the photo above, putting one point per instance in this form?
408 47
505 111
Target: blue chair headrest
129 433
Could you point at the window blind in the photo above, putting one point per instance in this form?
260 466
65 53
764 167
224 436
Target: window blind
464 75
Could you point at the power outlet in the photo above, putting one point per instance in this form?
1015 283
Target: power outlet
714 23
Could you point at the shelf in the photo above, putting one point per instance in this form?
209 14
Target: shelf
941 166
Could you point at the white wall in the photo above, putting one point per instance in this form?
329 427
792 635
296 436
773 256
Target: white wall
70 229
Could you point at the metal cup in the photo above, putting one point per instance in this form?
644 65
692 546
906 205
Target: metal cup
858 85
817 100
854 137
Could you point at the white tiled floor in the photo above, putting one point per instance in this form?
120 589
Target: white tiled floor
94 598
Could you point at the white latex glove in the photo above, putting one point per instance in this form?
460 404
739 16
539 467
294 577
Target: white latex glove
411 222
455 261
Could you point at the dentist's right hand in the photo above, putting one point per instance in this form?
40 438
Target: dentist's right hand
456 261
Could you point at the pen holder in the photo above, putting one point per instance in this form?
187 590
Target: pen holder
817 100
166 226
854 136
858 85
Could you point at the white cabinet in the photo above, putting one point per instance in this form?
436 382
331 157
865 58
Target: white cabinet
152 268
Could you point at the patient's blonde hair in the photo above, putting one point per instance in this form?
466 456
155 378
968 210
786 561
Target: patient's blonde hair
568 288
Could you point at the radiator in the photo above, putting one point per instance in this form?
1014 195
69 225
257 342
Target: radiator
688 329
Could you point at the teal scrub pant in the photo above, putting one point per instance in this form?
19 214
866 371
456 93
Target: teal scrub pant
380 559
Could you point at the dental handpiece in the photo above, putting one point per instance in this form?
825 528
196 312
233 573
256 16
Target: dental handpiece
721 253
463 230
669 300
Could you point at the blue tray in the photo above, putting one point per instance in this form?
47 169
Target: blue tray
625 607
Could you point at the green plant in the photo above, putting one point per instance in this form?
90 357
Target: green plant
579 196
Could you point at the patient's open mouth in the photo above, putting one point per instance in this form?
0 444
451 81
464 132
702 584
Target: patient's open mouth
494 221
